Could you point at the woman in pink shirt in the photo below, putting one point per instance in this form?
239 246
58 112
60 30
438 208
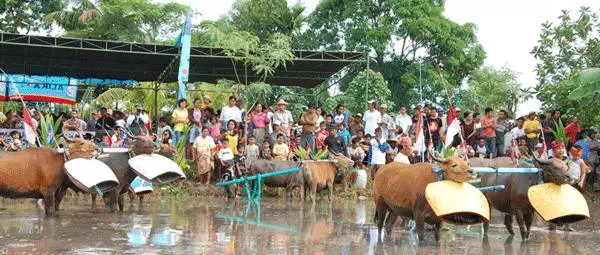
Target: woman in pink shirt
215 128
260 121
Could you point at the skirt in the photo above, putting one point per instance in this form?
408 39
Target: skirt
204 163
259 135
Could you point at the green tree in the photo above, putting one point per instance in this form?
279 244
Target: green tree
123 20
24 16
265 18
489 87
399 34
566 48
367 85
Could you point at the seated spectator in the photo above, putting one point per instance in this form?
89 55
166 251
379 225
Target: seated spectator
265 152
481 149
357 154
281 151
15 144
162 127
335 143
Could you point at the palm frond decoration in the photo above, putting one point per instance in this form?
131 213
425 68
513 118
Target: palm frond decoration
302 154
180 147
559 132
449 152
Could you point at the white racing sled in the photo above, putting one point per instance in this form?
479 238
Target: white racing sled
156 169
91 175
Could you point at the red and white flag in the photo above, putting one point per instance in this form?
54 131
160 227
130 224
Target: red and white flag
420 137
30 134
453 127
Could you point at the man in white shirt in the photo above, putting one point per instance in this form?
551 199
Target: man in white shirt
284 117
387 122
378 147
404 121
230 112
372 118
518 131
405 150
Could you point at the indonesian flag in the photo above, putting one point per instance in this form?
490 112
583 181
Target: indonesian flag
453 127
420 137
30 134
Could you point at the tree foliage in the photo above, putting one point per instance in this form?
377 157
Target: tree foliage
489 87
564 49
265 18
24 16
367 85
123 20
399 34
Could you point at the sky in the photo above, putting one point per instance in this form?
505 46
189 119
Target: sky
507 29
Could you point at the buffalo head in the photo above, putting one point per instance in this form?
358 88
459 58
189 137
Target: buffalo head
553 170
142 144
342 161
81 148
455 169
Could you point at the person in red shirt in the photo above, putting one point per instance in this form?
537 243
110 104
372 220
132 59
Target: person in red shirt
488 132
321 135
572 129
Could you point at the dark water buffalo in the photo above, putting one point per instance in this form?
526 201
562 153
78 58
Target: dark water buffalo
319 175
400 190
39 173
287 181
513 200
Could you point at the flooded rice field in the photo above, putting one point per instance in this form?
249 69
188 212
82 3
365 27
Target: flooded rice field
214 226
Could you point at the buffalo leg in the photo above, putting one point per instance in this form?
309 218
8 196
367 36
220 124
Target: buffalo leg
49 198
521 222
111 201
60 194
528 216
131 196
313 193
330 189
420 222
438 228
93 201
121 202
389 221
380 213
508 223
141 200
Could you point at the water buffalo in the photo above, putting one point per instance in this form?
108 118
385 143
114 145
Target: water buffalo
319 175
400 189
287 181
513 200
39 173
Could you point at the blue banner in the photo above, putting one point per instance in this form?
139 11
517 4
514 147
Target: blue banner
53 89
184 41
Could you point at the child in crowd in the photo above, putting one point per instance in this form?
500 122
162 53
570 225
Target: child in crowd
481 149
2 142
162 127
277 129
578 169
167 137
281 151
265 153
252 152
357 154
225 156
321 135
215 128
343 133
15 144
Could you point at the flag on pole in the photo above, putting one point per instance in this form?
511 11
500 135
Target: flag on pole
184 41
30 134
453 127
420 137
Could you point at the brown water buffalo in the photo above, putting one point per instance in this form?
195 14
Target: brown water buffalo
513 200
400 189
38 173
287 181
319 175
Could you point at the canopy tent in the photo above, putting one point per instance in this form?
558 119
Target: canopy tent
87 58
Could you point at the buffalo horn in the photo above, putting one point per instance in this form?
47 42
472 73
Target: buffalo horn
158 147
128 133
437 157
540 161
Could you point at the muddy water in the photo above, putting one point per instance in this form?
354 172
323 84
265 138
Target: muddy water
217 227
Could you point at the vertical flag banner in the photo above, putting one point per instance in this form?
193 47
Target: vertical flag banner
3 87
30 134
184 40
453 127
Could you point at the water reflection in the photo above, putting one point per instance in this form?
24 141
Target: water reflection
216 227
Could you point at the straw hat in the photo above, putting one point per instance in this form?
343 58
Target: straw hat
558 204
208 97
452 199
282 102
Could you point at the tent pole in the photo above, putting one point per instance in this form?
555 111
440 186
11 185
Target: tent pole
156 118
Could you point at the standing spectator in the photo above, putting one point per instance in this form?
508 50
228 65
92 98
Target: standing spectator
356 124
403 120
105 121
378 147
488 132
572 129
335 144
206 102
281 151
532 128
343 133
162 127
547 126
320 119
593 145
74 123
435 124
341 116
215 128
259 120
468 129
372 118
203 155
308 120
387 122
252 151
284 117
232 136
477 119
321 135
518 130
501 130
91 124
195 119
136 122
444 126
179 119
231 112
